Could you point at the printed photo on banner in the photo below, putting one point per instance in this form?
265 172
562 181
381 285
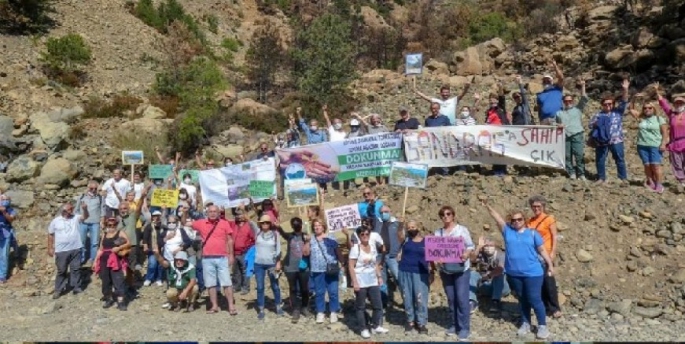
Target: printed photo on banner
486 144
367 156
230 186
194 175
160 171
445 249
302 194
343 217
132 157
413 64
408 175
164 198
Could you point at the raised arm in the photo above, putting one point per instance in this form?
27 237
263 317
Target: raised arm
425 97
198 160
496 216
139 206
625 85
559 73
466 88
324 109
159 155
584 100
476 104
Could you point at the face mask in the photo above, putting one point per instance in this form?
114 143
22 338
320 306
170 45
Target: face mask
547 86
354 129
465 114
337 126
158 182
172 226
489 250
182 196
413 233
680 109
228 164
187 180
280 142
313 128
385 216
493 105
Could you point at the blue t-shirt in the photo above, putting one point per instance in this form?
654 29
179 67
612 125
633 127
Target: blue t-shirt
550 101
6 226
522 254
414 257
364 209
439 121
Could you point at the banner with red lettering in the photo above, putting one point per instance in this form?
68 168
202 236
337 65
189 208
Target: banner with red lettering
486 144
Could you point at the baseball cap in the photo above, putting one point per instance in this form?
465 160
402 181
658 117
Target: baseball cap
354 122
403 109
156 213
182 255
547 76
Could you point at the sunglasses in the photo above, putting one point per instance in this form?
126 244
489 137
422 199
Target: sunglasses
648 108
568 100
607 104
536 206
446 214
518 219
365 234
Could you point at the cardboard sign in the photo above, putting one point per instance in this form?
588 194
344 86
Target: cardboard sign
343 217
445 249
132 157
413 64
160 171
261 189
194 175
408 175
164 198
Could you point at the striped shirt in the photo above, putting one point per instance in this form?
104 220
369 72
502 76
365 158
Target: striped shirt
465 121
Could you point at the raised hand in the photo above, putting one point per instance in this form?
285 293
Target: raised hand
625 84
519 80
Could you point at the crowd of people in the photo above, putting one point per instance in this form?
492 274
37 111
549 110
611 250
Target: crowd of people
199 248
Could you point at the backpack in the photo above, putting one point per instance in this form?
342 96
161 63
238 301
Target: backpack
601 132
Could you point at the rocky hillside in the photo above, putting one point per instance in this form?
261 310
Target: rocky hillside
620 270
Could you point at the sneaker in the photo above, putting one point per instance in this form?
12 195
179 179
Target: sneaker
496 306
523 330
279 310
543 332
147 283
334 317
166 305
108 304
320 318
296 316
463 336
473 305
88 264
572 176
380 330
305 312
138 267
261 315
451 331
423 329
122 306
408 327
244 291
582 178
56 295
366 334
159 284
77 291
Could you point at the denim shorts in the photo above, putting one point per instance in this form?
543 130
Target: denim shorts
215 270
649 155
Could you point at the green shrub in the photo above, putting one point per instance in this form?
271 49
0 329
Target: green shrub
165 14
26 16
212 23
97 107
489 26
66 53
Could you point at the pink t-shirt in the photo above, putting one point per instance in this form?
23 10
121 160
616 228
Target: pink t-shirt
217 245
676 127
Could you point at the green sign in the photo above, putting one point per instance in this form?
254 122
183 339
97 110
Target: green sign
261 189
160 171
194 175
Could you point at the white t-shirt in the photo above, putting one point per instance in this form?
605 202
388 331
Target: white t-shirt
123 186
336 135
138 188
66 233
192 191
365 268
448 107
459 231
375 239
173 244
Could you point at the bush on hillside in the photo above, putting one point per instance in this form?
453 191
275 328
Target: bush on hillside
543 20
166 13
97 107
324 59
264 58
26 16
489 26
64 57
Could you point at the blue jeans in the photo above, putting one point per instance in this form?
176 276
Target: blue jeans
457 291
198 271
391 265
91 230
5 243
494 288
529 292
415 293
155 271
617 153
260 272
322 284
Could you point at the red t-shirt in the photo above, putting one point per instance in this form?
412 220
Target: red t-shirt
217 245
493 118
243 237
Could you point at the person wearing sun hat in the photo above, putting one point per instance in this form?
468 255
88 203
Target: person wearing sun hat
676 146
182 277
267 261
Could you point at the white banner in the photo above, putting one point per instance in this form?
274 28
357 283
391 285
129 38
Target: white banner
230 186
486 144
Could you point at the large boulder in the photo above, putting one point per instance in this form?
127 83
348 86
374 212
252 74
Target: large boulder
147 125
677 48
58 172
154 112
53 134
21 199
372 19
436 67
22 169
468 62
619 58
229 151
6 126
250 107
68 116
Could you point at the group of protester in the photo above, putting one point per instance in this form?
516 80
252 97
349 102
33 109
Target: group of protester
199 247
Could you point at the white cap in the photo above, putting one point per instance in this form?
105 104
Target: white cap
354 122
547 76
156 213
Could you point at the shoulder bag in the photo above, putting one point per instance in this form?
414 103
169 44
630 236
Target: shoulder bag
332 269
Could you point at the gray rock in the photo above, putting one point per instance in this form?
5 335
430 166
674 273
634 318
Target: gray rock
22 169
21 199
649 313
58 171
53 134
677 228
678 276
664 234
154 112
68 116
621 307
593 306
584 256
6 126
73 155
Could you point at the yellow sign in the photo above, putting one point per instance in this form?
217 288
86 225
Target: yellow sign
164 198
